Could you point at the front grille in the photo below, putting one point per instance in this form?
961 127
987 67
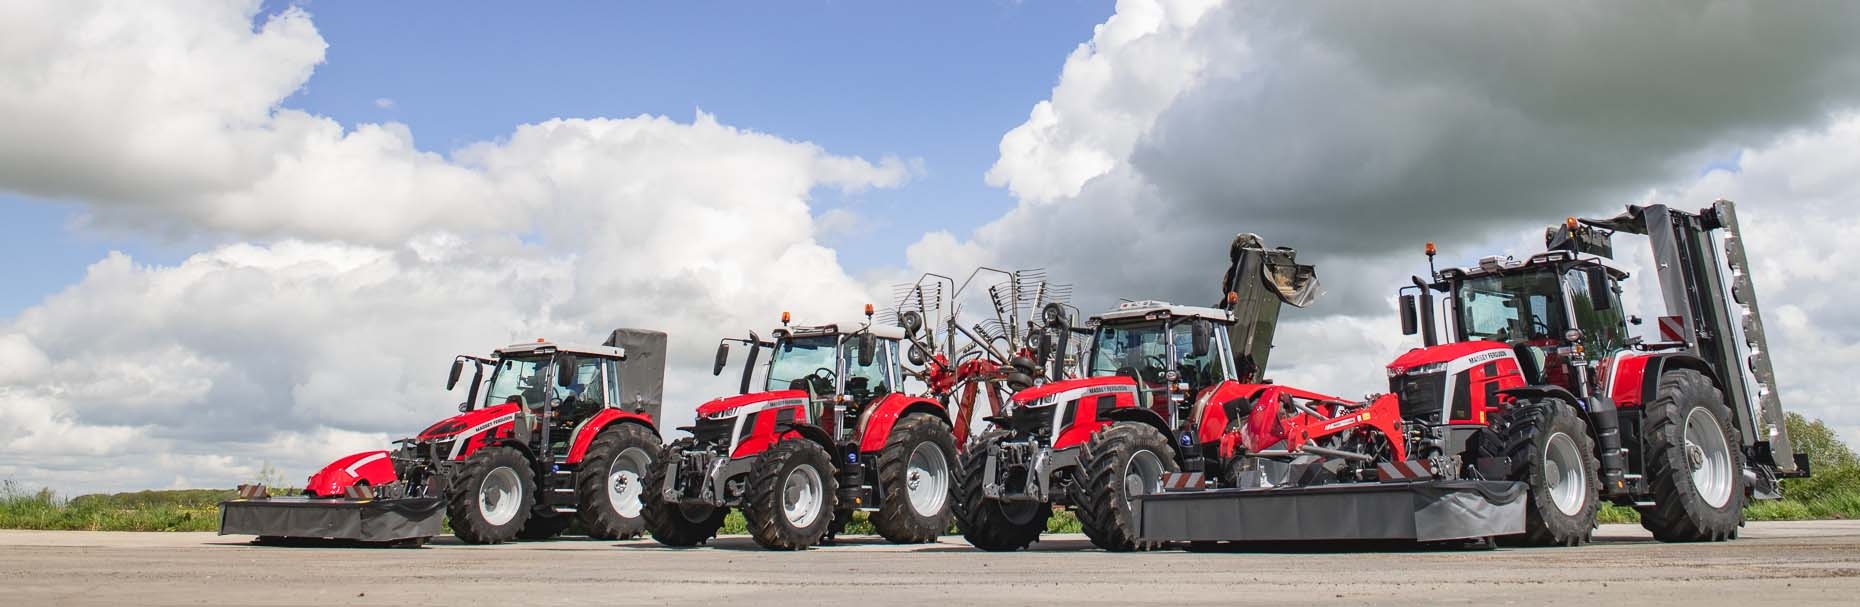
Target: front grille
1421 395
713 431
1032 421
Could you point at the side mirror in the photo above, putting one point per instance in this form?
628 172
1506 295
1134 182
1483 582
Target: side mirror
1410 324
1201 337
868 349
565 370
452 377
1599 291
723 359
912 321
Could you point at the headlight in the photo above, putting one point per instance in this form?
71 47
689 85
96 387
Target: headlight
1421 370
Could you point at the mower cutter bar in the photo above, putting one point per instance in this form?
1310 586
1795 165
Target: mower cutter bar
373 520
1424 511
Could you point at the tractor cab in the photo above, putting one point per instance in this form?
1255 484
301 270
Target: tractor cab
1172 352
843 367
1558 312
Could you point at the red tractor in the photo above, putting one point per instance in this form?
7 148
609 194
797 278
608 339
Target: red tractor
1542 388
1154 400
556 431
830 432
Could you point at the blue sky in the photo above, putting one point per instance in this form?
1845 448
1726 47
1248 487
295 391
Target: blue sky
938 82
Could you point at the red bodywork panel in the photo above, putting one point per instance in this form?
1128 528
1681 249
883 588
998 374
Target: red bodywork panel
767 409
372 467
878 418
1624 377
1083 406
729 403
1441 353
591 429
465 421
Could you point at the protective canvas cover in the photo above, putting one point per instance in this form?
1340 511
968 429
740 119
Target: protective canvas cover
1424 511
367 521
642 375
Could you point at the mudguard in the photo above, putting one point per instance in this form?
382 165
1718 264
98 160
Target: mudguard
875 425
585 433
375 468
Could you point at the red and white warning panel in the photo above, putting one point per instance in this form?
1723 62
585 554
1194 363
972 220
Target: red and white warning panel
1181 481
1672 328
1406 470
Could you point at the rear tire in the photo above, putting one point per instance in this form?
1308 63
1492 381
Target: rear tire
1121 461
672 523
492 499
916 471
1551 451
1694 461
991 524
611 482
791 495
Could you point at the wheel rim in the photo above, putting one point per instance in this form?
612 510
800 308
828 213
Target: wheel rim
499 496
623 482
926 479
1142 474
1709 457
1564 474
801 496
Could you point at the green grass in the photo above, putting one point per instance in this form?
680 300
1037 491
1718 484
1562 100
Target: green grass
184 510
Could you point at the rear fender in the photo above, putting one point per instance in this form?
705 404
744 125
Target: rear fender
591 429
374 468
877 422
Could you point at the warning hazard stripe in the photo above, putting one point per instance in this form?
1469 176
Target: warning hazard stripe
1181 481
1406 470
1672 328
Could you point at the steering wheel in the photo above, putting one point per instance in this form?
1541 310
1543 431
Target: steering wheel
1538 322
824 374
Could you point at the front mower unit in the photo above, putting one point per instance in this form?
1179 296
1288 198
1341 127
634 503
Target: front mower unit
383 521
1422 511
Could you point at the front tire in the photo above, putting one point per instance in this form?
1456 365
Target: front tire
991 524
1122 461
672 523
791 495
915 471
493 497
611 481
1694 462
1551 451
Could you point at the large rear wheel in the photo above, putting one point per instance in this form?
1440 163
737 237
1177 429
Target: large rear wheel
915 471
1121 462
1694 462
492 499
791 495
1551 451
611 480
992 524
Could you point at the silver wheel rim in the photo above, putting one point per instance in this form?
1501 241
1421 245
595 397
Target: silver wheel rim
1709 457
801 496
499 496
1142 474
926 479
623 482
1564 474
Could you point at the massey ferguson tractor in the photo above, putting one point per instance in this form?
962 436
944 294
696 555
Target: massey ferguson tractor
556 432
1540 407
830 432
1140 412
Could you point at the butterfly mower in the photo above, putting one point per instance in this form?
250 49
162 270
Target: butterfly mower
557 432
1538 409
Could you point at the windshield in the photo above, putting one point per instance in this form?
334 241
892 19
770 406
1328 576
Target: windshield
797 364
1142 350
518 377
1512 307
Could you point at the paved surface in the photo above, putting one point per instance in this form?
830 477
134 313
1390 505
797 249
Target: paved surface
1774 564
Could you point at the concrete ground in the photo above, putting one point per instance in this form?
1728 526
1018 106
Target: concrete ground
1806 563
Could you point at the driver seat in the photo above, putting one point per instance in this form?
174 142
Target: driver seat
1530 363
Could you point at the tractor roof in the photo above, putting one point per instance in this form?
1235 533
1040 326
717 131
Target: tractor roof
1151 309
1496 265
878 330
549 347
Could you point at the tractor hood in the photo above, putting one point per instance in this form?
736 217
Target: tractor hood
729 406
1441 355
1050 392
452 426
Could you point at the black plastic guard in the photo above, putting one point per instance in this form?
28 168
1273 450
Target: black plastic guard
389 520
1424 511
